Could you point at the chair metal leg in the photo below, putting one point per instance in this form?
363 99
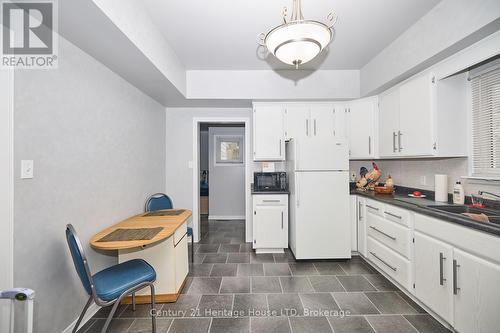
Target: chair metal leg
133 301
110 317
192 249
85 308
153 307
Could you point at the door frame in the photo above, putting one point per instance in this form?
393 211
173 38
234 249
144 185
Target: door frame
6 190
196 171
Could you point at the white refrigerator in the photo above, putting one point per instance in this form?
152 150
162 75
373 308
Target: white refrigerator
319 198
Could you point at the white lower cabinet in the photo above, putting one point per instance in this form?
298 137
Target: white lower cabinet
270 222
393 264
433 274
476 293
361 213
354 223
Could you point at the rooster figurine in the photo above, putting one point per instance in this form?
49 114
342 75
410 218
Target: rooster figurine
369 179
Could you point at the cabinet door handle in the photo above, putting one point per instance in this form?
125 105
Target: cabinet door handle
442 258
394 149
399 141
383 233
383 261
374 208
333 122
360 216
281 220
307 127
455 277
269 200
393 215
369 145
280 147
314 127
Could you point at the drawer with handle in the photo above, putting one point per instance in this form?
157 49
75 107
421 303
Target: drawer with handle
374 207
397 215
389 261
270 199
390 234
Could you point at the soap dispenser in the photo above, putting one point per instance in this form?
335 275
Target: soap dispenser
458 194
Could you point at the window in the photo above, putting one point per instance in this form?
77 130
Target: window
228 149
486 123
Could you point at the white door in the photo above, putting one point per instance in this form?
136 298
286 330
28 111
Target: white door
323 229
323 121
6 191
433 275
476 295
416 116
297 121
361 129
268 133
389 124
269 226
361 215
321 154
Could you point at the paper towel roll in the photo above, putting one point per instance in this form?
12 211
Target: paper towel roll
441 188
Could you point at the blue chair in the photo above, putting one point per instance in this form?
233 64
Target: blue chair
109 286
159 201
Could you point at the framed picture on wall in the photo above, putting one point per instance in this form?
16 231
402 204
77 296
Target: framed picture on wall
229 149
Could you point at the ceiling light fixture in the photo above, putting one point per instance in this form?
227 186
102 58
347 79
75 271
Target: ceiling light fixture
298 41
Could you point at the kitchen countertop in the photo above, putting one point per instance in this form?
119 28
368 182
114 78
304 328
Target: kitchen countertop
421 206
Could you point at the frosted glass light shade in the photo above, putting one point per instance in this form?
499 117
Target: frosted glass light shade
298 42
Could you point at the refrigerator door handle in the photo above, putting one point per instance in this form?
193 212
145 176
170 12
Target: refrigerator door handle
297 192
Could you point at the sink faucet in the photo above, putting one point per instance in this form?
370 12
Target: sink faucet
492 194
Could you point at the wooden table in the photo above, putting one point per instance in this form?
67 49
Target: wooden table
167 252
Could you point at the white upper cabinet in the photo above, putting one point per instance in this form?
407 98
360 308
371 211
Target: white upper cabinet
389 124
268 132
323 122
362 115
297 121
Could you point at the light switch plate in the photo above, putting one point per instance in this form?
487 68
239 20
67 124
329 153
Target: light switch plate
26 169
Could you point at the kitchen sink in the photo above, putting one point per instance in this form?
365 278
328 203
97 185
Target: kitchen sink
493 215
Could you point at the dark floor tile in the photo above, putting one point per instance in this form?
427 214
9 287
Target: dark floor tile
261 258
270 324
141 311
426 324
310 325
83 328
355 283
208 248
250 270
184 307
233 248
319 304
325 284
303 268
329 268
235 285
230 325
355 303
197 258
265 284
215 258
190 325
388 302
408 300
296 284
187 284
353 268
390 324
145 326
104 312
354 324
215 305
246 247
221 240
224 270
117 325
285 305
238 258
200 269
253 305
277 269
381 283
203 285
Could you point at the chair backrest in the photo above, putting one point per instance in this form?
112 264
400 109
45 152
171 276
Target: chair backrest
158 201
79 259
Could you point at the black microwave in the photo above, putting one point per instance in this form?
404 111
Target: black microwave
270 181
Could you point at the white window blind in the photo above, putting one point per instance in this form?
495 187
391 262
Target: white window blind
486 124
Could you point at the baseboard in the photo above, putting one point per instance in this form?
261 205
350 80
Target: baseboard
218 217
91 311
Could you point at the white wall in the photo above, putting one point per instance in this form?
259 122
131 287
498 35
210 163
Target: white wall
227 182
98 146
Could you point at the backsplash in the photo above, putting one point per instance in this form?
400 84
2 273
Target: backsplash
409 173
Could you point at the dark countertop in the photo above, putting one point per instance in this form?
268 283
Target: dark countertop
421 206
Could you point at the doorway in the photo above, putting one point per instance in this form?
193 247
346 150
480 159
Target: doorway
221 183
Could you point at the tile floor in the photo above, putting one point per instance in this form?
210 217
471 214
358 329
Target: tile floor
231 289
